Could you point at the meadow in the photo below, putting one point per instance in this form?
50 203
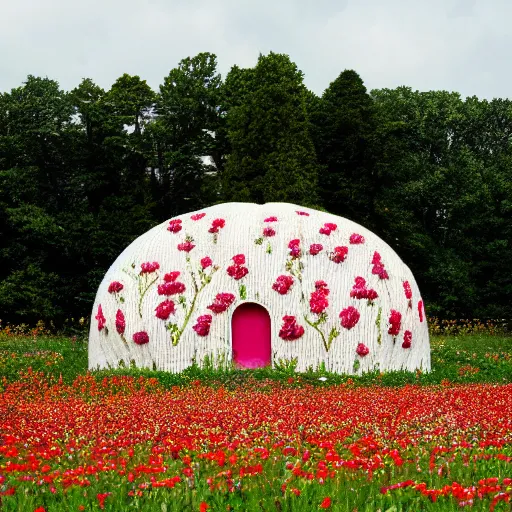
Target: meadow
275 440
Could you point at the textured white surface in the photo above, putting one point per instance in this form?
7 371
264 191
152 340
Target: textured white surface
244 223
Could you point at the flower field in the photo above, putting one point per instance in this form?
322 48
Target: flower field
133 442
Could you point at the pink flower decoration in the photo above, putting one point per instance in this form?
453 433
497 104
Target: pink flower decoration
237 271
239 259
349 317
318 302
164 309
186 246
294 246
216 225
376 258
322 286
101 319
395 320
328 228
283 284
149 268
407 290
270 219
420 310
305 214
141 338
290 330
172 288
115 287
339 255
174 226
203 324
120 322
407 339
206 262
198 216
314 249
362 350
359 290
356 239
378 267
222 302
268 232
172 276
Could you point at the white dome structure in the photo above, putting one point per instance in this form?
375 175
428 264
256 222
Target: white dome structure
258 285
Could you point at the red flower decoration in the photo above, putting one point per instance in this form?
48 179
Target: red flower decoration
322 286
356 239
314 249
349 317
407 339
270 219
378 267
172 276
120 322
115 287
206 262
141 338
268 232
395 320
305 214
290 330
339 255
318 302
283 284
237 271
164 309
328 228
420 310
362 350
216 225
186 246
294 246
174 226
239 259
221 303
198 216
101 319
359 290
407 290
149 268
203 324
172 288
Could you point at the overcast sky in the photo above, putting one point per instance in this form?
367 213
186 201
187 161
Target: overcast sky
455 45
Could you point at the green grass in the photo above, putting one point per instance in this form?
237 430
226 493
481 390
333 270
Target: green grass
457 359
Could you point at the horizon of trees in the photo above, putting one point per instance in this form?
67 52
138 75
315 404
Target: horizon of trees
85 172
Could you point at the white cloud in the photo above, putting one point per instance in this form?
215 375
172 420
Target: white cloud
456 45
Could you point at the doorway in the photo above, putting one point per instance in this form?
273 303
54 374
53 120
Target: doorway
251 336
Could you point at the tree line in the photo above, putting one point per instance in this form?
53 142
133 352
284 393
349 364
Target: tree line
84 172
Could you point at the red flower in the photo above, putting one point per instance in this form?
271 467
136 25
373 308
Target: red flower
359 290
420 310
172 288
290 330
203 506
101 319
270 219
283 284
294 246
115 287
149 268
174 226
322 286
371 294
40 509
395 319
221 303
202 326
216 225
120 322
314 249
141 338
268 232
349 317
239 259
362 350
356 239
186 246
407 339
318 302
339 254
378 267
101 499
198 216
326 503
376 258
206 262
305 214
164 309
328 228
172 276
237 271
407 290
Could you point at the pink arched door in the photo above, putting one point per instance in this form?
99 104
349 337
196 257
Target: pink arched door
250 336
